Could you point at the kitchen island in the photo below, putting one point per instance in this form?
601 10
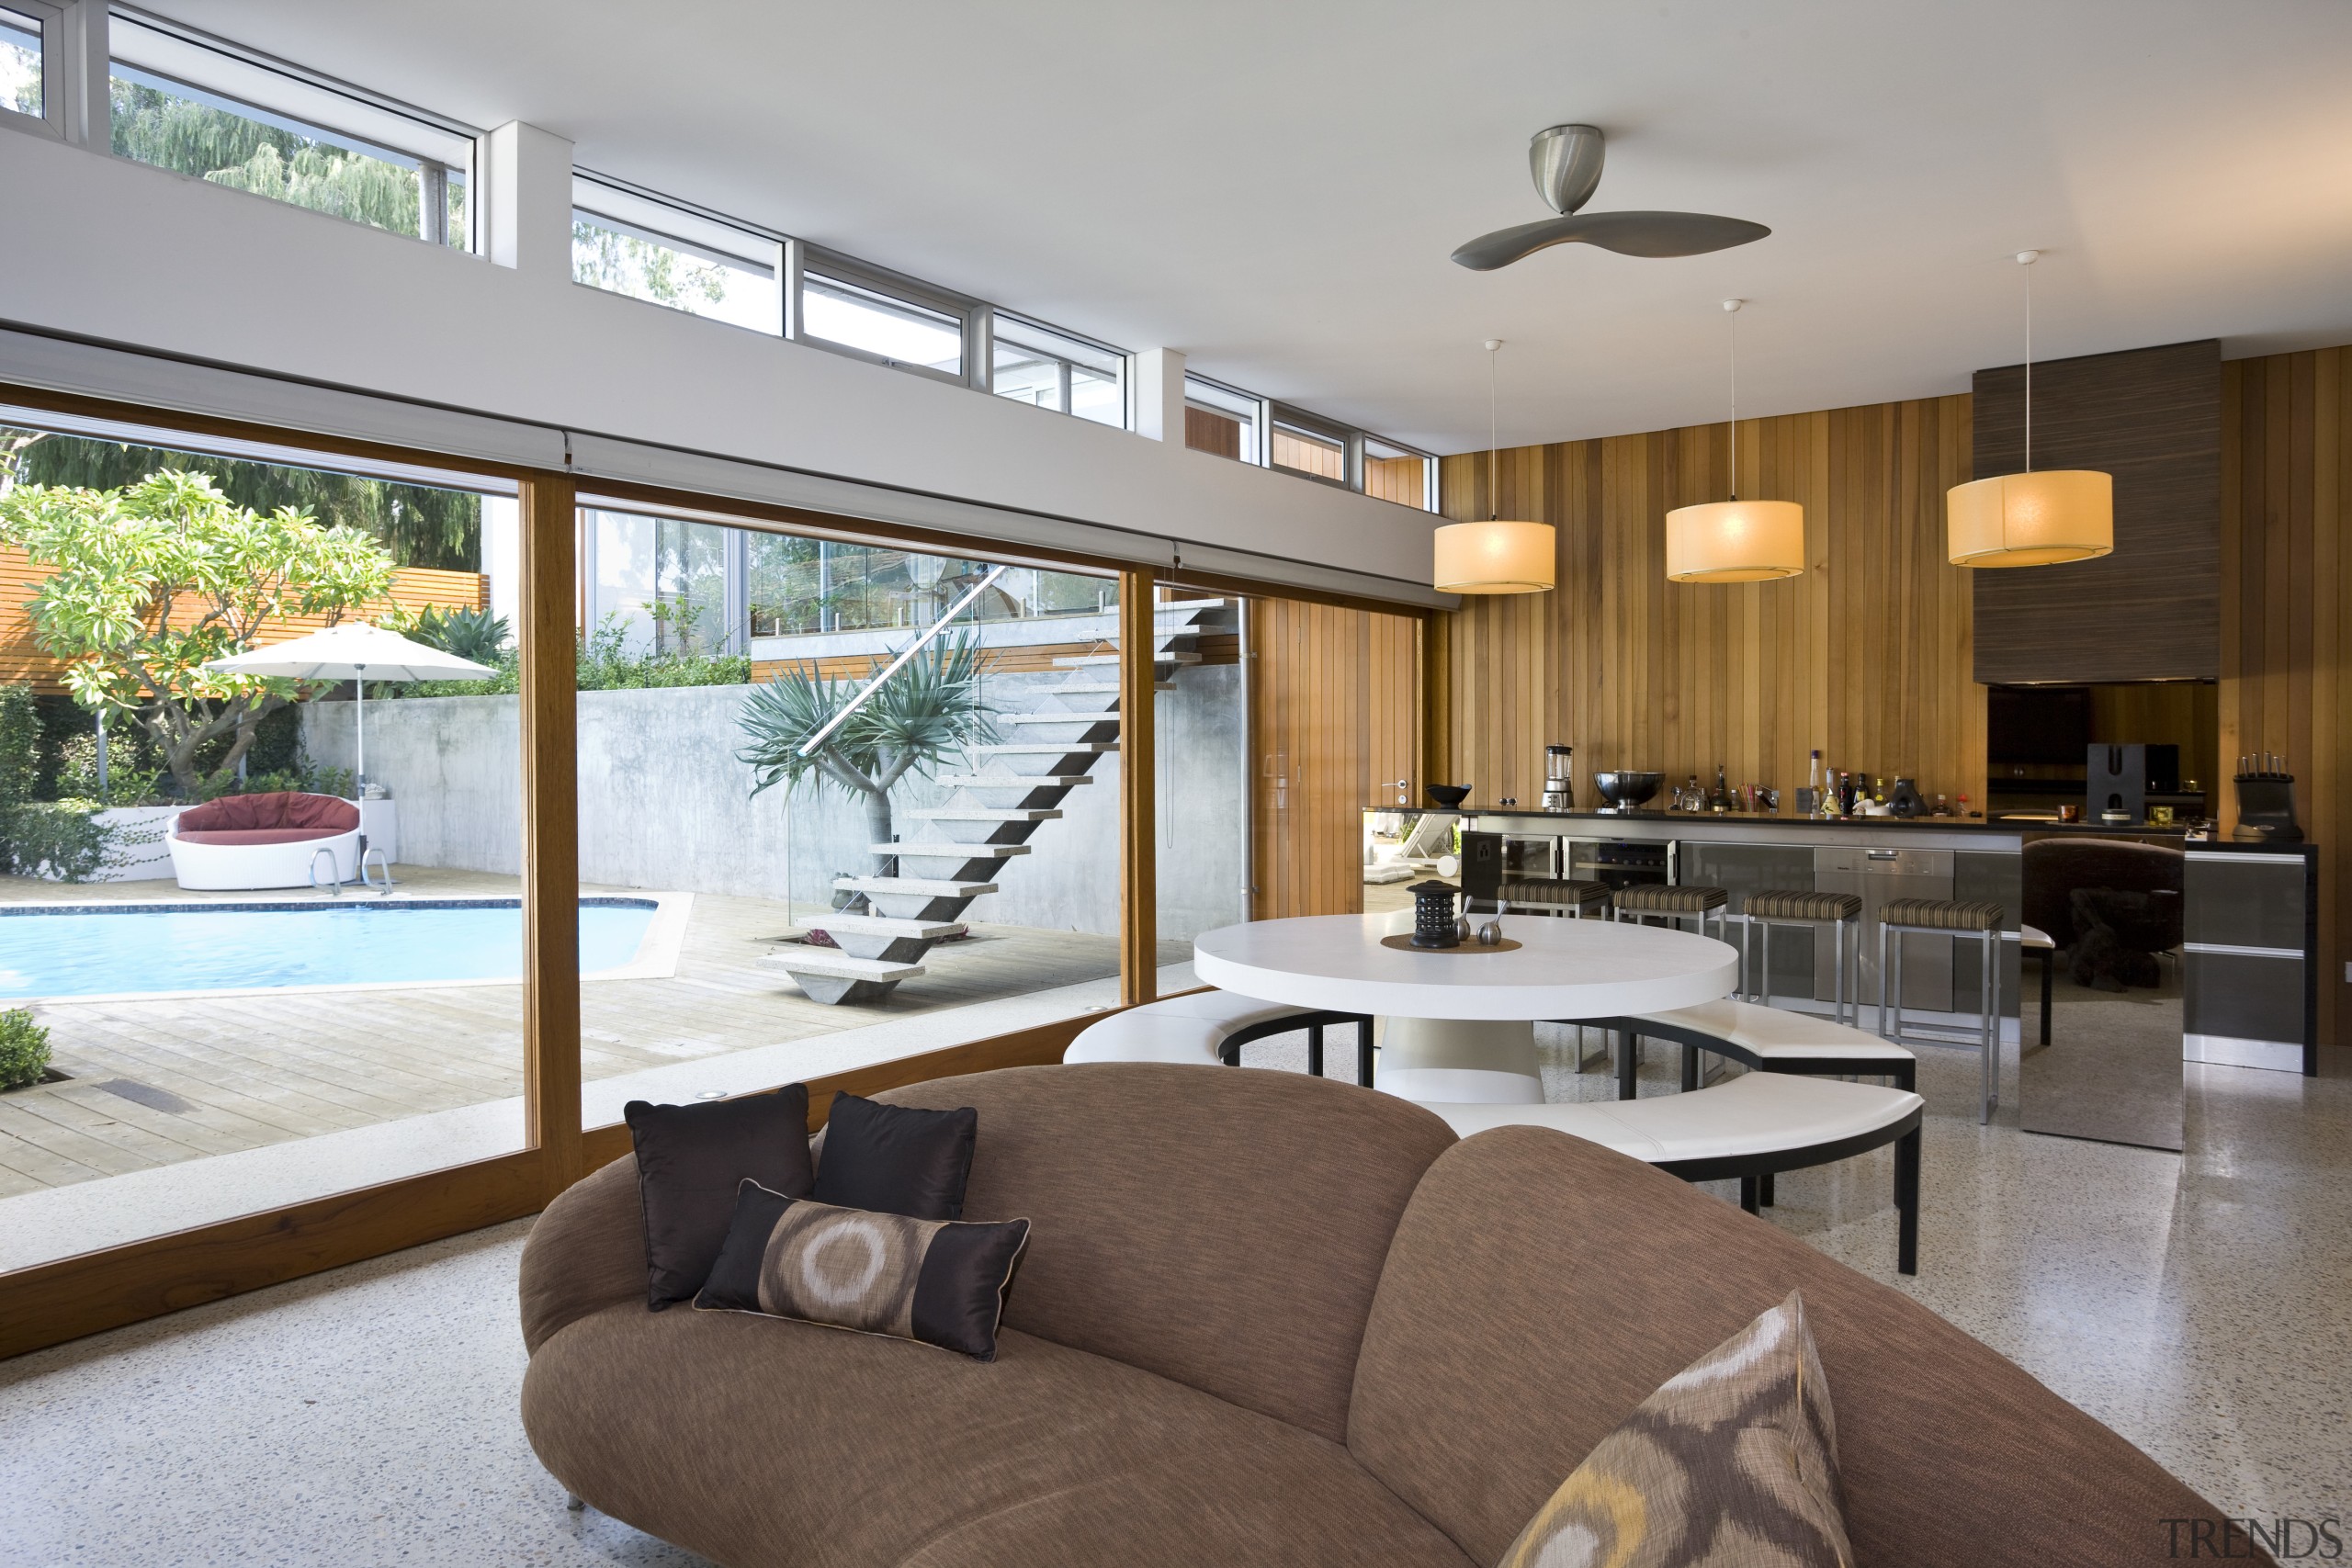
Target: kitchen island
2248 911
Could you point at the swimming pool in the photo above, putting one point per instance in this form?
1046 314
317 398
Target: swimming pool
85 950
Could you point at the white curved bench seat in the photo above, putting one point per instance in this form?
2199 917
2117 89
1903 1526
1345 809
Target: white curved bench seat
1752 1127
1195 1028
1773 1040
1768 1032
1753 1114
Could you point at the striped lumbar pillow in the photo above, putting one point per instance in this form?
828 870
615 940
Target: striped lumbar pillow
938 1281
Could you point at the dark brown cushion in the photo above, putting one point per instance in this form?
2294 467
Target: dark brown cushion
1224 1227
1472 1399
764 1443
938 1281
690 1161
894 1159
269 809
1734 1462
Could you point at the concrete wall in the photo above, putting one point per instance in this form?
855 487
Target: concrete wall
664 803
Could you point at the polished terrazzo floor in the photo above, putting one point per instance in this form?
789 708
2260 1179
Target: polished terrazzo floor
2197 1302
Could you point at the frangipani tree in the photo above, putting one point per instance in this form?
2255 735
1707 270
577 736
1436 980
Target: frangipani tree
147 582
922 717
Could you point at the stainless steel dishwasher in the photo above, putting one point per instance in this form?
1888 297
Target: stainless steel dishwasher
1878 877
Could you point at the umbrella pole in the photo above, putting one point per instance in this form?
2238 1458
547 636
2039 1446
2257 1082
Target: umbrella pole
359 772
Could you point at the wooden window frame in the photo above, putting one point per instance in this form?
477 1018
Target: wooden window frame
49 1303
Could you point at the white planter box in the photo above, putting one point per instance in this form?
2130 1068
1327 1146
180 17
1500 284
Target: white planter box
149 860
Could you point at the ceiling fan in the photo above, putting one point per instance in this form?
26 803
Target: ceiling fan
1566 160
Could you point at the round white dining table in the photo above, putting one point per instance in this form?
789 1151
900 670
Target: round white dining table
1562 968
1460 1022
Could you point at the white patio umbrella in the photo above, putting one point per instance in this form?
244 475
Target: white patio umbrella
354 651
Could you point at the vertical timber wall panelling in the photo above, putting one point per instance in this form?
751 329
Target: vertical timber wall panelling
549 709
1333 724
2286 585
1865 656
2152 417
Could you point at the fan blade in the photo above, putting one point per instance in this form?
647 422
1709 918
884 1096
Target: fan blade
1627 233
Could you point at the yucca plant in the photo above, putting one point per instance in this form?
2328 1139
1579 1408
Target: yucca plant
922 717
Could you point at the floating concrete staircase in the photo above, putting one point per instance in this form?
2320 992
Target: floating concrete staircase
961 848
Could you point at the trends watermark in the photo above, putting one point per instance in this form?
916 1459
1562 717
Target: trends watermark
2286 1537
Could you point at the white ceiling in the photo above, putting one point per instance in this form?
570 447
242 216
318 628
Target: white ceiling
1274 189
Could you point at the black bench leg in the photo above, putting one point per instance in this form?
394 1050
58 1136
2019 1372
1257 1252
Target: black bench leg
1314 1049
1764 1190
1748 1193
1690 1071
1906 1202
1363 1053
1627 1062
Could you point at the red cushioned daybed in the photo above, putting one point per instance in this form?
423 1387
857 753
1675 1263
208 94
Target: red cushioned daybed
264 840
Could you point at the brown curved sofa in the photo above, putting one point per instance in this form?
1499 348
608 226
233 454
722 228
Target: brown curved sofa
1270 1319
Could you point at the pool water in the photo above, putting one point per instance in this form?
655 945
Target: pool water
85 950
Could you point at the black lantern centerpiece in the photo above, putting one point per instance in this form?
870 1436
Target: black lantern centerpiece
1433 921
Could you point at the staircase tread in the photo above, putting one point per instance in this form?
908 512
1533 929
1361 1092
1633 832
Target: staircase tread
1016 781
935 848
826 960
883 925
931 886
1050 748
1087 687
1061 718
985 813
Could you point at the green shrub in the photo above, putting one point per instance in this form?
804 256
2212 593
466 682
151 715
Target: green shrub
20 744
57 839
24 1049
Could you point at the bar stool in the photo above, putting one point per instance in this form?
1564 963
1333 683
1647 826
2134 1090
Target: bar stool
1841 913
1651 899
1556 895
1939 917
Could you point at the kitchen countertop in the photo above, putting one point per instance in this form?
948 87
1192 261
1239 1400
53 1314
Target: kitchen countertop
1760 819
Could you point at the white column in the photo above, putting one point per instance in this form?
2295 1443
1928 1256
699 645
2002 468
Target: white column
526 194
77 76
1160 394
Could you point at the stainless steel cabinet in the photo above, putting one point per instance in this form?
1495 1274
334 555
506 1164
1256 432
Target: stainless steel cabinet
1878 877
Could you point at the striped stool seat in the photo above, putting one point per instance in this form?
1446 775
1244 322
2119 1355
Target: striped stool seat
1941 915
1841 912
1792 903
1655 899
1556 893
1961 919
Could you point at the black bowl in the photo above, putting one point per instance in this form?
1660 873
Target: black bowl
1448 795
1626 787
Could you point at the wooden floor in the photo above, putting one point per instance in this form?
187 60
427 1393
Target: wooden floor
154 1082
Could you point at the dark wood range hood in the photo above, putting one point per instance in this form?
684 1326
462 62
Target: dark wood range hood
2151 611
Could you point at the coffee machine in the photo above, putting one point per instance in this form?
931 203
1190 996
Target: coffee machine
1559 778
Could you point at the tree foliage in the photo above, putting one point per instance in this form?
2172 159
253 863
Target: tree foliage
420 526
919 718
147 583
215 143
623 263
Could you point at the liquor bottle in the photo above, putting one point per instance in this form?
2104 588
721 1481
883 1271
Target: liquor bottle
1722 802
1813 784
1694 798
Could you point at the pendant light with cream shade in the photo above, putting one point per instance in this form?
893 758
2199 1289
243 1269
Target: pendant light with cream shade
2029 518
1497 556
1734 540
